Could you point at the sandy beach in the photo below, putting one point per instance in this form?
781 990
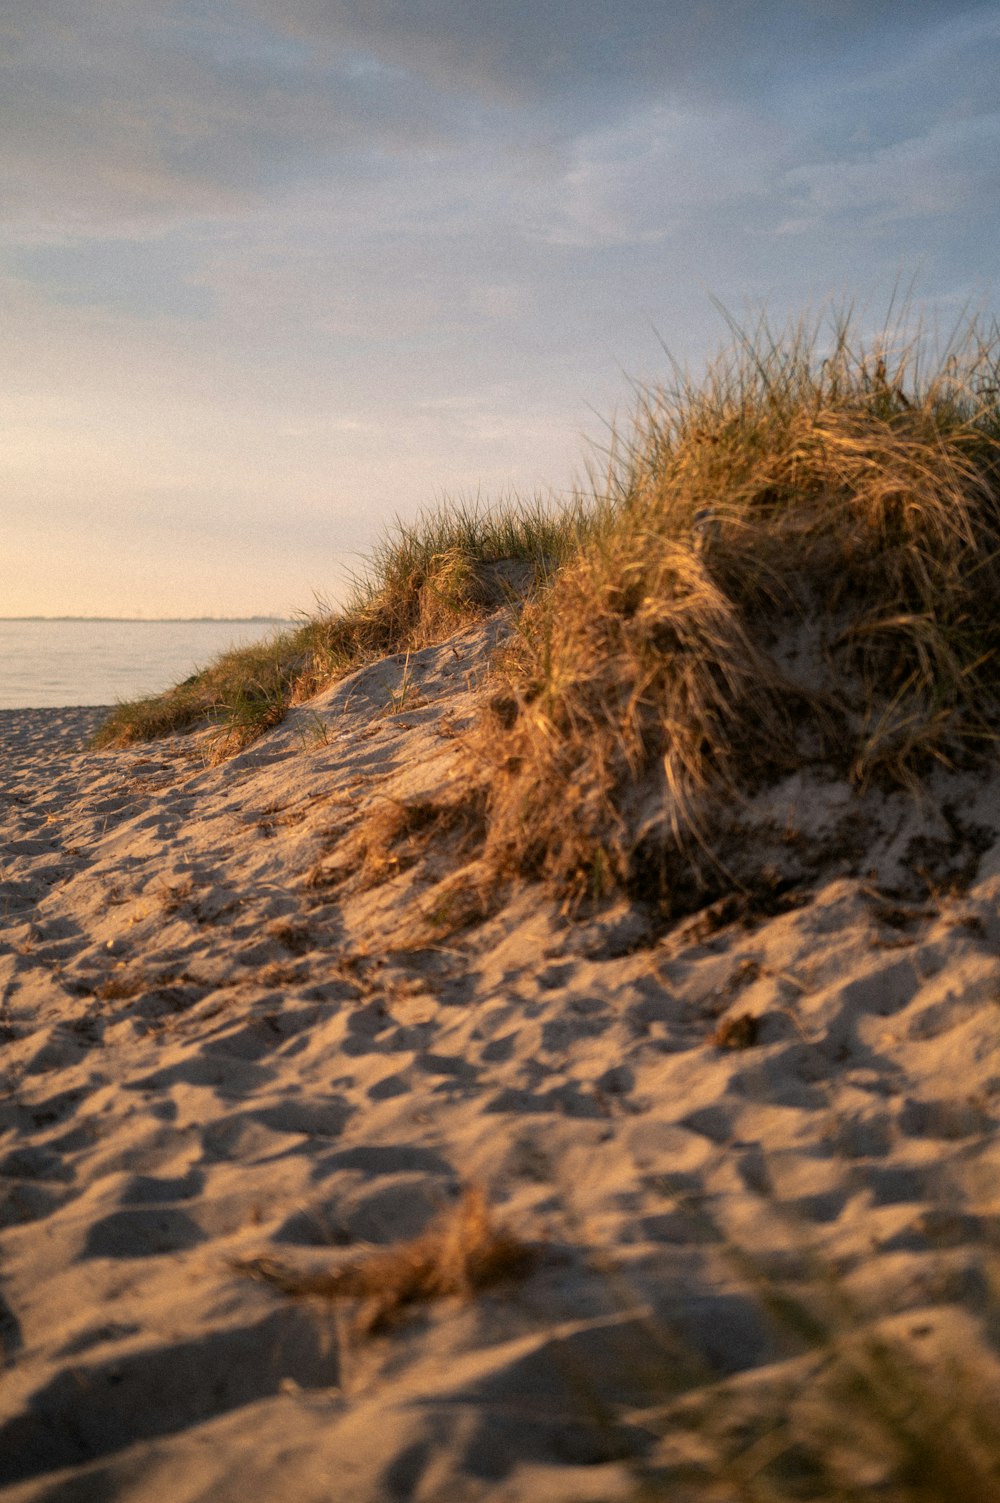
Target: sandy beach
218 1045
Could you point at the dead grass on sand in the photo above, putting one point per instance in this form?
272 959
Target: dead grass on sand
461 1252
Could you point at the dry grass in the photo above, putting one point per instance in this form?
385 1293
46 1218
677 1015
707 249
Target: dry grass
796 562
394 835
461 1252
398 834
292 935
122 986
423 583
902 1407
867 1414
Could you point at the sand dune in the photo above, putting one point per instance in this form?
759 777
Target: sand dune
218 1045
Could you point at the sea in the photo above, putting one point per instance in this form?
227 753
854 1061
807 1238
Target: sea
52 663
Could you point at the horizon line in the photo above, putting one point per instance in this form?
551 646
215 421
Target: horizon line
158 620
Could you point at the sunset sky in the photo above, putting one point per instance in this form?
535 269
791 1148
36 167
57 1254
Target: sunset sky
273 273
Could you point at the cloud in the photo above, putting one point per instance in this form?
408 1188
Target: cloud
302 266
949 170
641 180
139 116
130 116
522 51
144 278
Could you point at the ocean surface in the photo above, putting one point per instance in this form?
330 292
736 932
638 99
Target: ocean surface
47 664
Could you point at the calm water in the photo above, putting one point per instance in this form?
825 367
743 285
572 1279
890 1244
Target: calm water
46 664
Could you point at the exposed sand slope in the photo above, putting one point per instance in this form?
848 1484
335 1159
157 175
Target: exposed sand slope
210 1052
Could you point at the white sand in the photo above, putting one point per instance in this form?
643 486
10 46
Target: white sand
206 1057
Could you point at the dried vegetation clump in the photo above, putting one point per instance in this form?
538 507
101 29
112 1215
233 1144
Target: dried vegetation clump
797 564
440 834
462 1251
399 833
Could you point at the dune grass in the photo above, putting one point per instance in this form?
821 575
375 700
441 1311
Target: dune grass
423 582
790 562
871 1409
798 564
862 1415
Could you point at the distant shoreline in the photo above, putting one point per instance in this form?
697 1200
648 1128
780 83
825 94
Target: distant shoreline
52 661
166 620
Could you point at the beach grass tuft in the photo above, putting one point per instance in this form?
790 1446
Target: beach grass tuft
797 564
887 1409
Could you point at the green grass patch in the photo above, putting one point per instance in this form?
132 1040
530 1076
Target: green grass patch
424 581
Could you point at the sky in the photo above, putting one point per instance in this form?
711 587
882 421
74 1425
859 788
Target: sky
272 275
